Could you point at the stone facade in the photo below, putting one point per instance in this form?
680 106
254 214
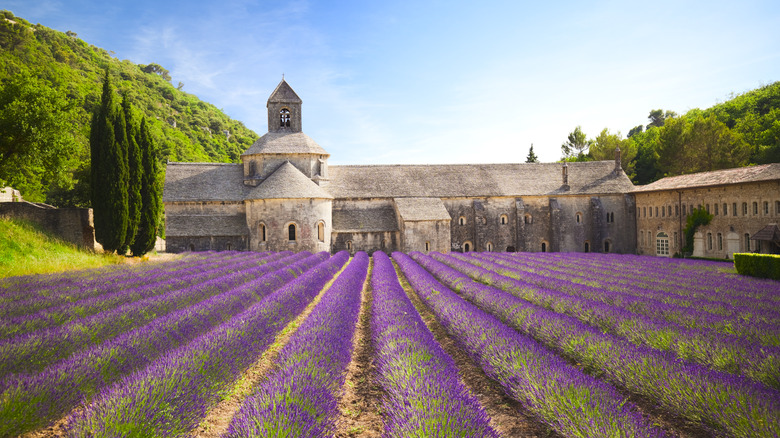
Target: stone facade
742 201
284 180
74 225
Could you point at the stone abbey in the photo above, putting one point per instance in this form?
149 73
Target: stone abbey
284 196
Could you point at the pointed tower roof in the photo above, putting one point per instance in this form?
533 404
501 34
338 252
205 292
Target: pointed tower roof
287 182
284 94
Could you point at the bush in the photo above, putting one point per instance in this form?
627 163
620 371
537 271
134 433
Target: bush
758 265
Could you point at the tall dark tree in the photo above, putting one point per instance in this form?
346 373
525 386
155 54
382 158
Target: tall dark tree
135 174
109 173
151 194
531 158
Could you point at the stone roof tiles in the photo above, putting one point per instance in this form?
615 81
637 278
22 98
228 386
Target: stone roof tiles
474 180
285 143
769 233
421 209
284 93
375 219
203 182
287 182
765 172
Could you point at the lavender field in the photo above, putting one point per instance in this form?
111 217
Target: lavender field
241 344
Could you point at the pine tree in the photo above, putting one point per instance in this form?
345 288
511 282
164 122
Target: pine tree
151 194
532 158
135 174
108 175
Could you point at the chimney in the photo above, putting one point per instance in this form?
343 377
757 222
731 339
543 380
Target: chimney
618 163
565 175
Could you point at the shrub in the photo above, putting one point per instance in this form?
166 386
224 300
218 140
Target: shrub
758 265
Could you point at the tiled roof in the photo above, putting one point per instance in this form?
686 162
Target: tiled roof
285 143
474 180
764 172
287 182
284 93
203 182
180 225
770 233
364 220
421 209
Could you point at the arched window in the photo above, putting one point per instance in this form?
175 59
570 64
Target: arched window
755 208
427 246
504 219
321 231
292 233
766 208
607 246
349 245
709 241
284 118
747 241
720 242
578 217
528 219
262 233
544 246
587 246
462 220
466 246
744 209
725 209
661 244
489 247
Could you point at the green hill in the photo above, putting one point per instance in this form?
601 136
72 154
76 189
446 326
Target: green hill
25 249
65 72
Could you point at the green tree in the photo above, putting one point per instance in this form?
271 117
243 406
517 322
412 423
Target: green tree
531 158
151 194
604 147
646 160
109 174
36 140
698 217
135 174
577 145
658 118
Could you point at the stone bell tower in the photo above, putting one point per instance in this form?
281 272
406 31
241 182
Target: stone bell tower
284 109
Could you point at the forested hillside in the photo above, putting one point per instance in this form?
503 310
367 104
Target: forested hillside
742 131
50 84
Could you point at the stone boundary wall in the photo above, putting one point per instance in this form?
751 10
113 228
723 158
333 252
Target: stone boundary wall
73 225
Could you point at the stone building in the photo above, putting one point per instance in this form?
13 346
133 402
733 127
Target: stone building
284 196
744 202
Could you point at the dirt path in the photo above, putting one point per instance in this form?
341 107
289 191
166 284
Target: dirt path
507 416
360 405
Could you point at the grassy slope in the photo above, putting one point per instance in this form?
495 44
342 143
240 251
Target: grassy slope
25 249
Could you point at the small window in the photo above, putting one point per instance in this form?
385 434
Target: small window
656 212
684 213
504 219
227 247
292 233
669 210
720 242
489 247
192 247
606 246
579 218
321 231
755 208
777 208
716 209
384 243
675 239
734 209
663 212
747 241
349 245
744 209
709 241
766 208
462 220
587 246
676 210
708 208
544 246
284 118
466 246
644 211
528 219
427 246
725 209
262 234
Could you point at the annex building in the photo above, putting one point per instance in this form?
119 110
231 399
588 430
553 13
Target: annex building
284 196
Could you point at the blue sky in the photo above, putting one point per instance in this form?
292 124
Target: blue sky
441 81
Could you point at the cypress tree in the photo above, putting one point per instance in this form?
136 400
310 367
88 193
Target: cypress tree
108 174
151 194
135 172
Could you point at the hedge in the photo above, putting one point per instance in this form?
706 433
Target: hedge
758 265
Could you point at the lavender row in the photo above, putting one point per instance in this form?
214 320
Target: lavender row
29 401
719 351
34 351
301 395
36 299
557 392
53 317
170 397
729 404
65 283
762 309
740 325
425 396
658 273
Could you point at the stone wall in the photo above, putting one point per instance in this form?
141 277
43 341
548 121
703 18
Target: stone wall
368 241
276 215
425 236
73 225
663 213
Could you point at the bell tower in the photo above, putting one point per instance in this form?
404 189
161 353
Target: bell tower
284 109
